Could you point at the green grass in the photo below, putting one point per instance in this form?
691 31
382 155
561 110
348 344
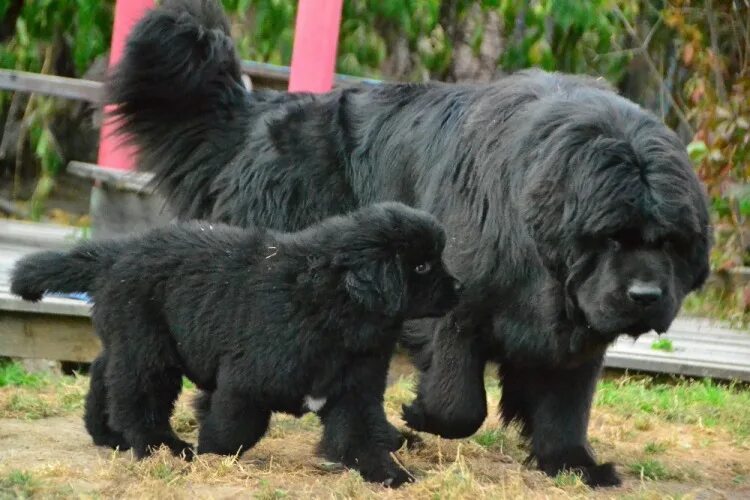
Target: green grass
13 374
492 439
662 345
650 469
655 448
17 484
33 396
567 480
682 401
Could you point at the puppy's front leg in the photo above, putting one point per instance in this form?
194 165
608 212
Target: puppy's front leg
356 431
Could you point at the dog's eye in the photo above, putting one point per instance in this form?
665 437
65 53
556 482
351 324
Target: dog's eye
423 268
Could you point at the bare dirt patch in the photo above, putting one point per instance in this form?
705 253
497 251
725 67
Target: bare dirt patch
49 454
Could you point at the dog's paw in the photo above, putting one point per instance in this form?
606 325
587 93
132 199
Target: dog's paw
602 475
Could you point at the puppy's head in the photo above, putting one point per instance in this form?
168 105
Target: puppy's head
391 258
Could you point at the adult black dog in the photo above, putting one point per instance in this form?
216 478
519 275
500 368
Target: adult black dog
260 321
573 215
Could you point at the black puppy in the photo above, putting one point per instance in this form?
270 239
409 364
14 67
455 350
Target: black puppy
259 320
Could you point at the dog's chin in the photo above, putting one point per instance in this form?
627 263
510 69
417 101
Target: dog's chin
611 328
437 311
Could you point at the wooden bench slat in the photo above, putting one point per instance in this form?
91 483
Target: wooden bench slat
120 179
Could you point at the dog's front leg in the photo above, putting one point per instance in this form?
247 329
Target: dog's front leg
451 400
356 431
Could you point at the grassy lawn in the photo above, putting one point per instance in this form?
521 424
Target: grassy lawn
670 438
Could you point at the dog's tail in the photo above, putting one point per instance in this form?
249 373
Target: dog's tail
177 95
62 272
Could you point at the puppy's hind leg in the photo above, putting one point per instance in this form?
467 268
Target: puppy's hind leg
96 414
229 424
144 379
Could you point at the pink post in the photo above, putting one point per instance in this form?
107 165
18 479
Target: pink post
316 36
127 13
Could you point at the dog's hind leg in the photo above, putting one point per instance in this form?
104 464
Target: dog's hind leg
96 414
356 431
229 423
144 379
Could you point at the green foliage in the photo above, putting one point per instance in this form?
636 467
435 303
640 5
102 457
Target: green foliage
263 29
48 35
567 35
718 93
662 345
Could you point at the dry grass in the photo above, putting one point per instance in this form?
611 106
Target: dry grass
45 453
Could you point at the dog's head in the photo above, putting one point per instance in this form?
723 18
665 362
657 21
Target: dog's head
617 214
390 256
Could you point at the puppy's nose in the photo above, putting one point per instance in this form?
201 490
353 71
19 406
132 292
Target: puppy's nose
644 293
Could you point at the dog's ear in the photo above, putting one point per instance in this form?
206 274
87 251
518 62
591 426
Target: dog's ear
378 285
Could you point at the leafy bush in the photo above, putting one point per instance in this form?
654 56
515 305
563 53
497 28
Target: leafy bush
48 37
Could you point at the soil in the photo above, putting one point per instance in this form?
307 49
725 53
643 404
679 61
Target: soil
61 461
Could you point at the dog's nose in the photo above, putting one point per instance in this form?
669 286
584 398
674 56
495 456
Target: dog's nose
644 293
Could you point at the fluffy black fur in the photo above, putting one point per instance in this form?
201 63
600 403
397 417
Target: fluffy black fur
573 215
258 320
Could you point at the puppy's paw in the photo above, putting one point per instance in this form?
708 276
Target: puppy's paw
399 438
389 474
113 440
180 448
397 478
414 417
602 475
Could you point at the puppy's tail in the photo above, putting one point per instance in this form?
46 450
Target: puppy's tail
178 97
62 272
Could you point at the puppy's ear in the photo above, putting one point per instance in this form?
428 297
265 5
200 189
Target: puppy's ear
378 285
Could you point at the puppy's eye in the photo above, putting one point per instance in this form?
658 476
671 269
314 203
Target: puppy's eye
423 268
614 244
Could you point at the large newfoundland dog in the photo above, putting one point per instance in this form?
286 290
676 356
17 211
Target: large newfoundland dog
261 321
573 215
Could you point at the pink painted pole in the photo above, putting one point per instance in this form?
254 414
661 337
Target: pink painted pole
316 36
111 153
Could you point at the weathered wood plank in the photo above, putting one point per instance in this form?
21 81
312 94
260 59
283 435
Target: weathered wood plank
699 350
58 86
262 74
48 306
118 179
43 336
37 235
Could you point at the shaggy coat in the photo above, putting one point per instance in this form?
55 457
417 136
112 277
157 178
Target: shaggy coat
572 214
260 321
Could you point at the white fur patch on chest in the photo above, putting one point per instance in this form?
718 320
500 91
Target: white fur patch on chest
314 404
